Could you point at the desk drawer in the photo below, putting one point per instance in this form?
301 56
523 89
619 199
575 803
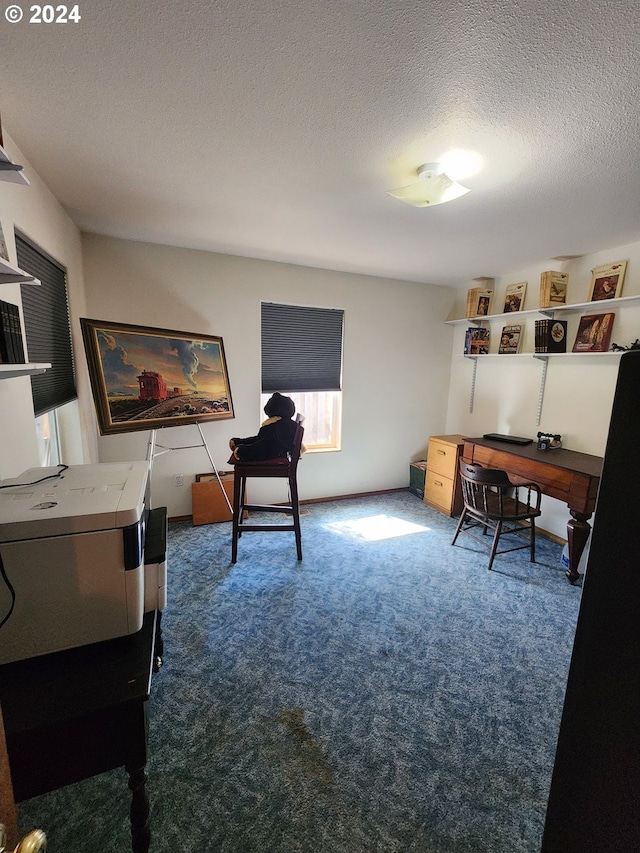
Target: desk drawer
442 458
439 491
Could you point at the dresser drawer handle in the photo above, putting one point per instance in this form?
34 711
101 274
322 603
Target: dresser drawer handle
442 452
438 483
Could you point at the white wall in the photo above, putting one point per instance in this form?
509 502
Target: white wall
35 212
397 353
404 375
579 389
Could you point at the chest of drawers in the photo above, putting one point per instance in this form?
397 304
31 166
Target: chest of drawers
442 489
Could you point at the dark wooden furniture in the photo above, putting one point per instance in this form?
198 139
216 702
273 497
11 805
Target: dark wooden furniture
73 714
567 475
284 468
595 788
491 501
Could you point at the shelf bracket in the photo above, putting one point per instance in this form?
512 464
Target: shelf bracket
543 380
474 358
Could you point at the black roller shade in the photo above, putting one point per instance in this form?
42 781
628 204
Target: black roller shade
301 348
45 310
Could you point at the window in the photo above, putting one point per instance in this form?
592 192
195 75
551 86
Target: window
46 324
322 412
302 357
48 439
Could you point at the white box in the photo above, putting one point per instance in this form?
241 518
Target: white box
72 549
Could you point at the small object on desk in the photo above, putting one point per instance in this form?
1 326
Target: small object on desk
547 441
509 439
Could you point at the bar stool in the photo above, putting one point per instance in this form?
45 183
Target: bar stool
284 468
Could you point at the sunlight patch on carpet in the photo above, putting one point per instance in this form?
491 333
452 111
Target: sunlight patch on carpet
373 528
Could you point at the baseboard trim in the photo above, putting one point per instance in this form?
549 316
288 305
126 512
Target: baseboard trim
352 496
546 534
318 500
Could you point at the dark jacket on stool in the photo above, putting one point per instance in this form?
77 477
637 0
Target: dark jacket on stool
275 436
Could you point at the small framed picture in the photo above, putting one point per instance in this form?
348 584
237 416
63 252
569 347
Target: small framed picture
477 341
606 281
510 339
514 297
594 333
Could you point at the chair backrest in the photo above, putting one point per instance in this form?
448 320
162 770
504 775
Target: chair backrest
491 492
486 476
297 447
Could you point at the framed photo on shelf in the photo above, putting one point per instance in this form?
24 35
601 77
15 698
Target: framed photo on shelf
514 297
594 333
510 339
607 281
550 335
479 301
144 378
553 288
477 340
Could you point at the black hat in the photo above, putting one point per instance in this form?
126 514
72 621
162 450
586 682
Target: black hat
279 406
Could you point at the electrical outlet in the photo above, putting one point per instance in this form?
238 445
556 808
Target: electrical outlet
178 480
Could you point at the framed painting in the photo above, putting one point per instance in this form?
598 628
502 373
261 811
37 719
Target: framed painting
606 281
594 333
146 378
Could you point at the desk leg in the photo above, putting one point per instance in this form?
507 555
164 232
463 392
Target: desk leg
140 830
578 529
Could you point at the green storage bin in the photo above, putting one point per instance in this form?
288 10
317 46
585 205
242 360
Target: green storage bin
417 474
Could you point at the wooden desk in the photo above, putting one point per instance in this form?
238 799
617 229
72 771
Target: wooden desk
73 714
563 474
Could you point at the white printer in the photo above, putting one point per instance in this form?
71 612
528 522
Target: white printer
73 570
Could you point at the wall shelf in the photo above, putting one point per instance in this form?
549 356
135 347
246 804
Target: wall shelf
10 274
10 371
10 171
551 311
542 355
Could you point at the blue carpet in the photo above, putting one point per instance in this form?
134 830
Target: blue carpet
387 693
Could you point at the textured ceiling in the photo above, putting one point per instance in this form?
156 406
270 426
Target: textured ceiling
273 128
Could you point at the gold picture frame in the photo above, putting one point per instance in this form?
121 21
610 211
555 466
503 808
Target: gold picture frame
144 378
607 281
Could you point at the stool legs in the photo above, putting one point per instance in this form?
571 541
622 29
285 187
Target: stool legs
295 511
238 500
239 506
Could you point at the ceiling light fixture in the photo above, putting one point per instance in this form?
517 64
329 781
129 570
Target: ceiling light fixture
433 187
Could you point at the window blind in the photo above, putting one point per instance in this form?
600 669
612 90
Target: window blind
45 310
301 348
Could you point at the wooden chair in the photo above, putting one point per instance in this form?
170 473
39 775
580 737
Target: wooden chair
285 468
491 500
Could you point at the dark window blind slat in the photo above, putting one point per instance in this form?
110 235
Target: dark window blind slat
301 348
45 310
